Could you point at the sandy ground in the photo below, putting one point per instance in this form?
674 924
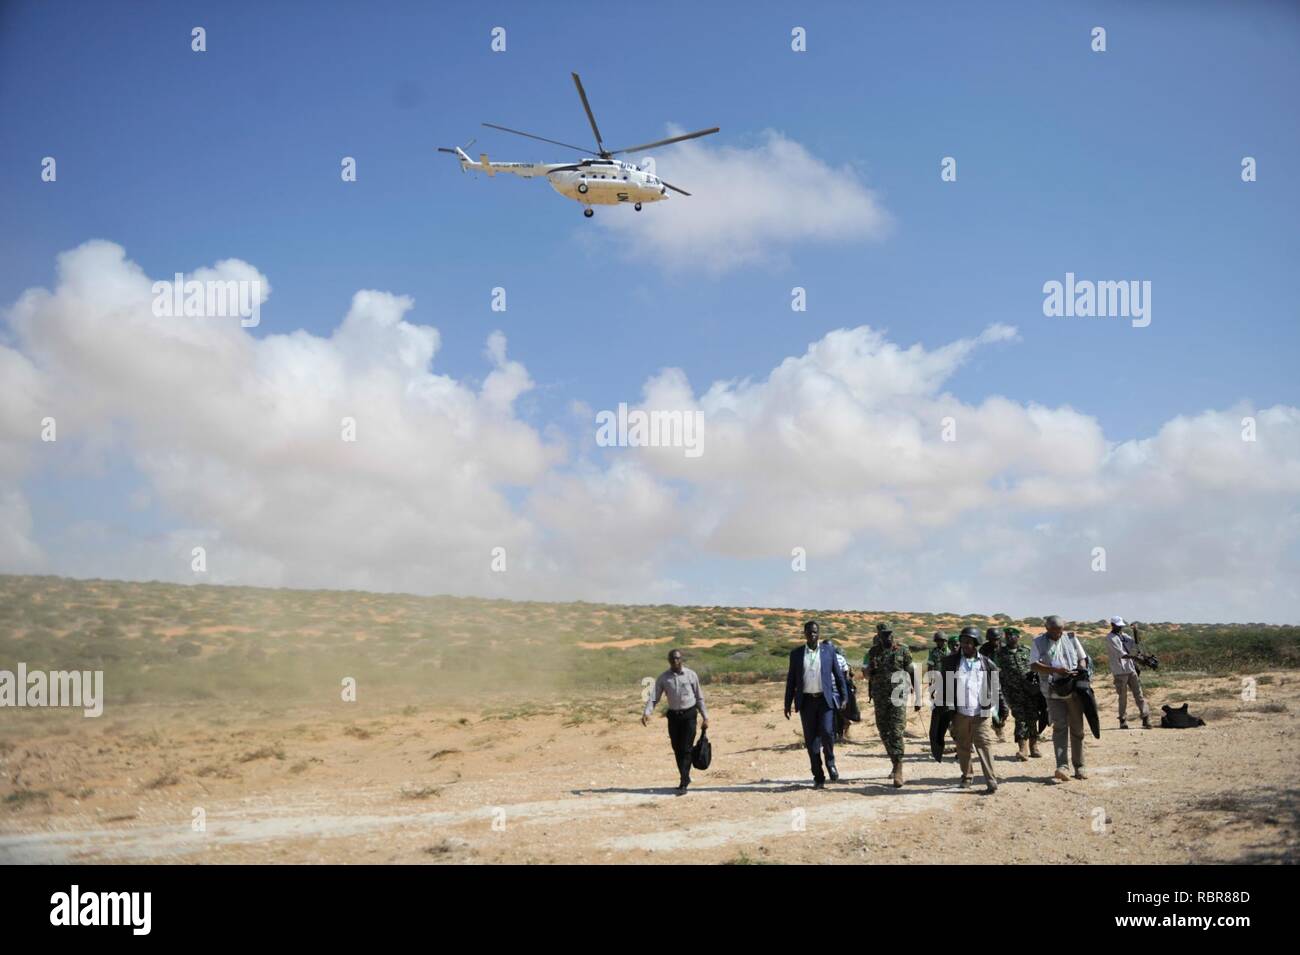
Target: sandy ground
553 781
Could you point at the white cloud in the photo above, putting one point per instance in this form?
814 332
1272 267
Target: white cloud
840 451
748 205
242 436
236 443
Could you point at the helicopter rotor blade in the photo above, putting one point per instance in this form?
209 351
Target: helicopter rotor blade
591 118
553 142
674 188
665 142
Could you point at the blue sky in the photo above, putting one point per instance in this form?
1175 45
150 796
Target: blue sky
1116 165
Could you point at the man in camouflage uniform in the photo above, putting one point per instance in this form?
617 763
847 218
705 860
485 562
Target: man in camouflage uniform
992 643
935 660
882 666
1013 662
866 660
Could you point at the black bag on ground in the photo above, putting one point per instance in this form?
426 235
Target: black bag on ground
1178 718
702 752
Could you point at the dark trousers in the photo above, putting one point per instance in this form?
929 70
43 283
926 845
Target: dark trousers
818 731
681 730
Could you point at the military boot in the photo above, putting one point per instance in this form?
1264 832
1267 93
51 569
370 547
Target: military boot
898 772
1033 748
1022 754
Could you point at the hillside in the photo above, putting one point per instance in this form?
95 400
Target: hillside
159 641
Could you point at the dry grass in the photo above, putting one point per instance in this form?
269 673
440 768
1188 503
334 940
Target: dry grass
163 780
264 752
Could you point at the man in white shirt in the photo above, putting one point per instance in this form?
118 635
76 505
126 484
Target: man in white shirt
1120 654
1056 653
971 684
816 687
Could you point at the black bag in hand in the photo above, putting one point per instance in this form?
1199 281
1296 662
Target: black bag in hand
851 712
702 752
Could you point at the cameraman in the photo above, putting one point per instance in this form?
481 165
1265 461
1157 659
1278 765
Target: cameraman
1121 651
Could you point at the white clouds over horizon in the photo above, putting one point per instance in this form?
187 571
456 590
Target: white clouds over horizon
236 441
241 436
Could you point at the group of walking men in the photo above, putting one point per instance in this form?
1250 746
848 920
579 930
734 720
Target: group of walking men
975 685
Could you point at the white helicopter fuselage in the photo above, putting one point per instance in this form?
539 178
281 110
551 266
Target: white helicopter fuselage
592 182
607 183
603 181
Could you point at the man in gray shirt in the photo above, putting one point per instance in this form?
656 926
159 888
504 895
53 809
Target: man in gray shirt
1057 653
682 685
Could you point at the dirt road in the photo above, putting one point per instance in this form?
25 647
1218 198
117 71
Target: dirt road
558 782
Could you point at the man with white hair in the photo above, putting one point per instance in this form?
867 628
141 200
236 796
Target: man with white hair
1058 654
1120 652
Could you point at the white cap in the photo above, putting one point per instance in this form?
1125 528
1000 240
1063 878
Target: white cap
1117 621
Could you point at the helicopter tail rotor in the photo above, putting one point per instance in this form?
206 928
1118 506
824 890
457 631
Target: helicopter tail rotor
459 153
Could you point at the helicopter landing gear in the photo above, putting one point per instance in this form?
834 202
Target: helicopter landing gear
582 188
637 207
588 212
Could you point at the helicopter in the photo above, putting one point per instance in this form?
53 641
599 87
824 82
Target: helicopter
599 179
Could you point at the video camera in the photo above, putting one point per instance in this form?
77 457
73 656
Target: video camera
1145 660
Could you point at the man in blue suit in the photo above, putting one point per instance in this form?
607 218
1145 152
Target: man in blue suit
817 688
